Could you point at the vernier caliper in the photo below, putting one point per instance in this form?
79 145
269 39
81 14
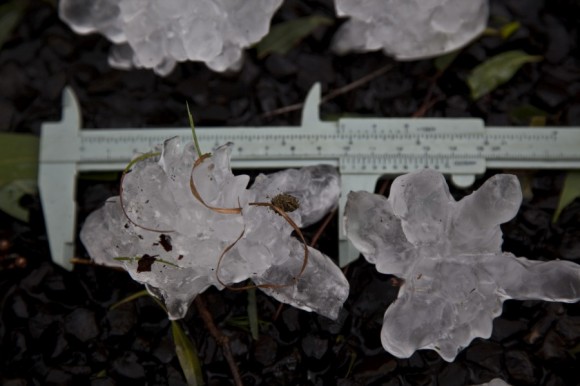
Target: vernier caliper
363 149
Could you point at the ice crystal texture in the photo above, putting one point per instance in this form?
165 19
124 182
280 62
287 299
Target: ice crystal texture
495 382
410 29
158 34
185 233
449 255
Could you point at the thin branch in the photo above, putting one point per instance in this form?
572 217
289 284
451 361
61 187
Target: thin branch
219 337
322 227
313 242
333 93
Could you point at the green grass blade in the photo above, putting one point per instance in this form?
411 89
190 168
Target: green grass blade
129 298
187 355
253 313
194 135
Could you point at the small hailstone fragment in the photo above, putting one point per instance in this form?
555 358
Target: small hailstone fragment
158 34
495 382
409 29
171 242
449 254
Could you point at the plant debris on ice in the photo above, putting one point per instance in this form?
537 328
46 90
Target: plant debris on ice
171 241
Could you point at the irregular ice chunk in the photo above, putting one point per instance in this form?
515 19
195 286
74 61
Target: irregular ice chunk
409 29
158 34
184 239
449 253
495 382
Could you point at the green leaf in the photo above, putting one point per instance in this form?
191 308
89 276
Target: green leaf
18 157
538 121
18 171
496 71
509 29
570 191
282 37
187 355
524 114
253 313
10 15
12 193
130 298
444 61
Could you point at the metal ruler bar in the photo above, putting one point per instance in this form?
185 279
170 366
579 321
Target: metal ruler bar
363 149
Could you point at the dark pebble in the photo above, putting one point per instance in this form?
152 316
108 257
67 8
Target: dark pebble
551 92
265 350
82 324
558 40
314 346
165 350
128 366
57 377
107 381
520 367
122 319
280 65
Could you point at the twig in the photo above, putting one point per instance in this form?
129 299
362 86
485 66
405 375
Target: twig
332 94
321 228
219 337
384 186
79 261
313 242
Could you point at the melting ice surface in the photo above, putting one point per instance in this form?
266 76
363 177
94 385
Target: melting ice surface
449 254
158 34
495 382
157 195
409 29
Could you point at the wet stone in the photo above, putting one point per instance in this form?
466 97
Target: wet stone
165 350
107 381
128 366
82 324
520 367
280 66
314 346
122 319
19 306
56 377
558 40
265 350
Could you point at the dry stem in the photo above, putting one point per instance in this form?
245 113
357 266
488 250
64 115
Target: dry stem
219 337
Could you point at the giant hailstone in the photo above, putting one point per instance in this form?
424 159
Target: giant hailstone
158 34
409 29
184 239
449 254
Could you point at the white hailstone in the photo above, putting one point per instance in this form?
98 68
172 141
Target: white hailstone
449 254
409 29
495 382
173 242
158 34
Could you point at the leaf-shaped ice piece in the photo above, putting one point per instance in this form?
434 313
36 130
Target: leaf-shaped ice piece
449 255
